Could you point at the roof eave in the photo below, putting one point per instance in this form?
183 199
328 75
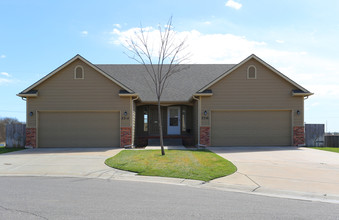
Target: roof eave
129 95
27 95
302 94
203 94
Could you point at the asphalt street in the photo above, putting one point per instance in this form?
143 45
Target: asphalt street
89 198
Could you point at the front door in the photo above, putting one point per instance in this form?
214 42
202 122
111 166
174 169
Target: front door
173 122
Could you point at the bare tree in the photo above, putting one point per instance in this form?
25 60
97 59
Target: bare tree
3 123
160 63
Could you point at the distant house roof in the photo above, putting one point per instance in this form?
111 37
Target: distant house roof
181 86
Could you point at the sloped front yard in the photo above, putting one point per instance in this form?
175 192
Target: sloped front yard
189 164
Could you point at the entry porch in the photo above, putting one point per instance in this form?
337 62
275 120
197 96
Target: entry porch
177 125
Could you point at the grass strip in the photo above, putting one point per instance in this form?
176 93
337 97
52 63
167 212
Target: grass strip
332 149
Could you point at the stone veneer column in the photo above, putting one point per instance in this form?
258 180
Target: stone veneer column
205 136
298 135
125 136
30 137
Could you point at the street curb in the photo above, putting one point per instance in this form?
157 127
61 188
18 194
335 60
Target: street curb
306 196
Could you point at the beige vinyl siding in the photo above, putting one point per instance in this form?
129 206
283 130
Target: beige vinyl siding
251 128
267 91
63 92
78 129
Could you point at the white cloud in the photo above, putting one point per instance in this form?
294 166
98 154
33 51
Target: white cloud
207 22
314 104
317 74
3 56
280 41
233 4
117 25
3 81
84 33
5 74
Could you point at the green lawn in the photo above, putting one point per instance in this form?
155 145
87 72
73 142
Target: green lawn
189 164
332 149
7 150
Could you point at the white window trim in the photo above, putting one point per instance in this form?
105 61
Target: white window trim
255 72
75 72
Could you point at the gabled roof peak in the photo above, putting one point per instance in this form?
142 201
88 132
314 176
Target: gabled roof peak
253 56
78 56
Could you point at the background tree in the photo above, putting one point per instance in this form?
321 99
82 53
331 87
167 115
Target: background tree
161 59
3 123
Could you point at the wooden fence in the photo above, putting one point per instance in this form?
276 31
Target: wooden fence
15 135
314 135
332 141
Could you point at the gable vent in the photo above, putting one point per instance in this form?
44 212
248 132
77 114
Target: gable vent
79 72
251 72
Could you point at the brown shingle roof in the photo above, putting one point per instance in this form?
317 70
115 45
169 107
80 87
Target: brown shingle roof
181 85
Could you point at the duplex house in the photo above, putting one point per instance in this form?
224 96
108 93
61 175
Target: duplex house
81 104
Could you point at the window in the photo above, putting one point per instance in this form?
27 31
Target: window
183 119
174 117
145 119
251 72
79 72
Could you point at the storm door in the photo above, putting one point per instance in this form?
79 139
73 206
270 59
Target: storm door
173 121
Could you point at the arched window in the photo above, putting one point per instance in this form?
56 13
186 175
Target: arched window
251 72
79 72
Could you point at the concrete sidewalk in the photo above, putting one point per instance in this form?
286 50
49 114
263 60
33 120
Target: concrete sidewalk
300 173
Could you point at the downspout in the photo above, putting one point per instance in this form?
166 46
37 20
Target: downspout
199 117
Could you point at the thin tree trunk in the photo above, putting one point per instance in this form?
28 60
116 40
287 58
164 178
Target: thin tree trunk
160 129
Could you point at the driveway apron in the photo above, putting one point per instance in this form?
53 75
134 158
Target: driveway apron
73 162
286 169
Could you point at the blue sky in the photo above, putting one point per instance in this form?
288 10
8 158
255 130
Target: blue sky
299 38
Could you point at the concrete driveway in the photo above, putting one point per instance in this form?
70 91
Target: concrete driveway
282 169
278 171
85 162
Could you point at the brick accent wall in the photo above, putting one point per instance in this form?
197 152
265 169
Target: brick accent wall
205 136
30 137
125 136
298 135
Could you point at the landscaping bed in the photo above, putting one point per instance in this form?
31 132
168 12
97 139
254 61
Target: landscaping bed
188 164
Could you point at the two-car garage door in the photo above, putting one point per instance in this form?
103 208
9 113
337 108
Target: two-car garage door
79 129
251 128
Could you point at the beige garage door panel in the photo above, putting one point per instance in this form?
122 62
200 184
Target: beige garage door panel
251 128
79 129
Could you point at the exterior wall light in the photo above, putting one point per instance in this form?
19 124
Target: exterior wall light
205 112
298 112
31 114
125 113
